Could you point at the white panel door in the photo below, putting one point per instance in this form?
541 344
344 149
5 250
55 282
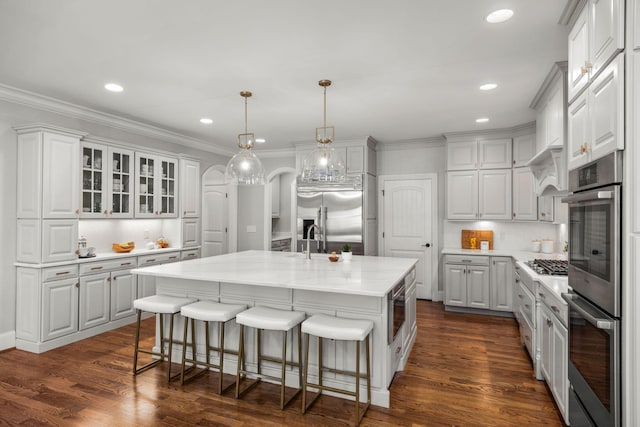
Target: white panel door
579 54
524 148
408 227
578 132
606 110
555 116
123 291
494 194
59 308
606 31
94 300
28 241
59 240
525 201
462 195
214 220
29 175
455 285
61 176
355 160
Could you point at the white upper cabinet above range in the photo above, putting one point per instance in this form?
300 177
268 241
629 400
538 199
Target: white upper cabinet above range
596 37
524 148
479 154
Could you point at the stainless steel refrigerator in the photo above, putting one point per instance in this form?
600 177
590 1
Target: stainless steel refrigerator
336 208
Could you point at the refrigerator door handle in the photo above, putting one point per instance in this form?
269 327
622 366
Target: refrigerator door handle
323 229
319 223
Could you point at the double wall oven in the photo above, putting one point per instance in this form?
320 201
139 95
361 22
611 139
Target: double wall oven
594 298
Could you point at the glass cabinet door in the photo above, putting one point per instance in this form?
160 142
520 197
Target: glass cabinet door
145 172
168 187
93 191
121 183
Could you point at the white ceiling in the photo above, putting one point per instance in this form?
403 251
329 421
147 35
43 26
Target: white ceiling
401 69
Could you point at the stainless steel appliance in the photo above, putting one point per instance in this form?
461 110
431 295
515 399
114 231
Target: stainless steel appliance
336 208
397 310
594 298
550 267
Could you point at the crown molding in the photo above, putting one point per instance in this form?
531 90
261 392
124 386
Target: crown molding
509 132
361 140
570 12
53 105
558 70
408 144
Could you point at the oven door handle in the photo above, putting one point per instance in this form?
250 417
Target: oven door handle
592 195
600 323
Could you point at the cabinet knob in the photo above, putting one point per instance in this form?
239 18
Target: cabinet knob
588 65
78 285
110 212
549 323
106 212
583 148
583 71
77 211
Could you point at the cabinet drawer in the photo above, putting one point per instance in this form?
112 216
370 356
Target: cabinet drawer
526 334
61 272
467 259
527 303
164 258
191 254
556 305
108 265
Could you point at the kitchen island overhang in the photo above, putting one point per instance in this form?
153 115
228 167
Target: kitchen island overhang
356 289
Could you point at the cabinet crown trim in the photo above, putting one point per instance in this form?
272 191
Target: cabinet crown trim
43 127
558 69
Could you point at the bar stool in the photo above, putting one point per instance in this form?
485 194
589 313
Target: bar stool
207 311
337 328
274 320
159 304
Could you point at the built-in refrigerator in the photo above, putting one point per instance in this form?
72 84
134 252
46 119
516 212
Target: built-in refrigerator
336 210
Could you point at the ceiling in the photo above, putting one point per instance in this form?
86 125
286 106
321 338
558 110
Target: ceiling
401 69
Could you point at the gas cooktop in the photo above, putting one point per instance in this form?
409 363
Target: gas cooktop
552 267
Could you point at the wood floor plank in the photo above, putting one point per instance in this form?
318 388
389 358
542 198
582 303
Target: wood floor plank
465 370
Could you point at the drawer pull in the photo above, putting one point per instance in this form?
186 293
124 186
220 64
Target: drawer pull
151 260
527 305
520 296
526 337
96 268
125 263
191 255
555 309
466 260
549 323
61 273
543 296
173 257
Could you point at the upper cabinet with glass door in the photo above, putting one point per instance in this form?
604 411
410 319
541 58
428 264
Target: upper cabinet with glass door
156 185
106 181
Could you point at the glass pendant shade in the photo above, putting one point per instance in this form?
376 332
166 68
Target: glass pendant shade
245 167
324 163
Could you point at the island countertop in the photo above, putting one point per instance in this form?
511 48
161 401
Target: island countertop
363 275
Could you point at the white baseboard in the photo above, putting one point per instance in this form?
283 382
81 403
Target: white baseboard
7 340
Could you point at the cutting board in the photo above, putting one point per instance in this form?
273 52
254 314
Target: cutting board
479 235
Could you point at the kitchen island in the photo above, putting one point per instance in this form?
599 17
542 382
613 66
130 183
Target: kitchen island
288 281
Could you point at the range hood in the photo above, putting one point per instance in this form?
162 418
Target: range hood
550 171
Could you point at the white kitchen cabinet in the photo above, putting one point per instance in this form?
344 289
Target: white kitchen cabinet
275 196
94 300
479 154
596 117
554 361
546 205
190 188
467 282
120 183
501 283
462 195
550 106
355 160
494 197
59 240
123 292
190 232
524 148
94 183
525 201
60 176
156 186
59 308
596 36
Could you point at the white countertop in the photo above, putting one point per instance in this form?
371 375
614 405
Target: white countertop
557 284
101 256
364 275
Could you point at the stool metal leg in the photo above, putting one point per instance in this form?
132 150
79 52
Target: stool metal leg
220 354
284 368
184 349
135 352
357 383
300 354
170 345
306 373
240 360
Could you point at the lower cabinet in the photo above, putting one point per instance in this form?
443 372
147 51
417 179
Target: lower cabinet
59 308
124 291
553 343
501 283
94 300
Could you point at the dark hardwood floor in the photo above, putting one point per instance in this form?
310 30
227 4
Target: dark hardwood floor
464 370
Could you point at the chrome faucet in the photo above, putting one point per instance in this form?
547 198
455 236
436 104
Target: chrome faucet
311 227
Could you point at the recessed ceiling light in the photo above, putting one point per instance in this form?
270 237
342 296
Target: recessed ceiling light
498 16
206 121
260 140
482 120
113 87
488 86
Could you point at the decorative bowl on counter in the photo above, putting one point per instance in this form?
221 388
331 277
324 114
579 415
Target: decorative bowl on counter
123 247
333 257
162 243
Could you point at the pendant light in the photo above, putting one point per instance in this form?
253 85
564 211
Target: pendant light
245 167
324 163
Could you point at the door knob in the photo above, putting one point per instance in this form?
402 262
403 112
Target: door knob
427 245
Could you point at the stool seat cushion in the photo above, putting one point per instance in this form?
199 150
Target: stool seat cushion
210 311
163 304
337 328
270 318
